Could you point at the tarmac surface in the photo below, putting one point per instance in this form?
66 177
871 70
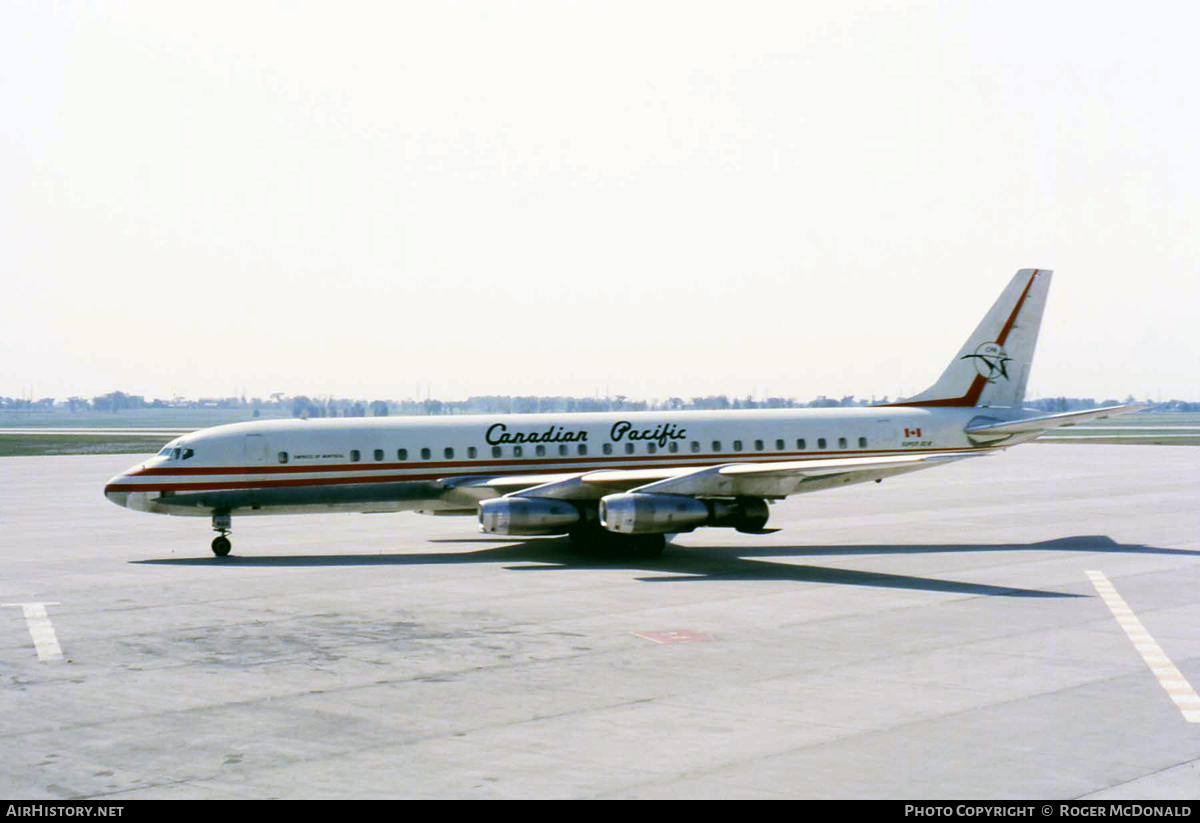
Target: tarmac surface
934 636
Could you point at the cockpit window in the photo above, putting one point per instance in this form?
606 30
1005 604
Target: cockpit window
176 453
188 453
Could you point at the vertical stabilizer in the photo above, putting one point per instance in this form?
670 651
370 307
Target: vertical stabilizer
992 367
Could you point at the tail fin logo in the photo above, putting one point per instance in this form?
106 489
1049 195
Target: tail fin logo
991 361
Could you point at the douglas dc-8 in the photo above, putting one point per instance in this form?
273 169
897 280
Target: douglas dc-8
618 482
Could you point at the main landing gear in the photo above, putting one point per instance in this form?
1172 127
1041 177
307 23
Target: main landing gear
223 523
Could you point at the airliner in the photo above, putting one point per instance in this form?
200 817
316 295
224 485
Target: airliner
614 482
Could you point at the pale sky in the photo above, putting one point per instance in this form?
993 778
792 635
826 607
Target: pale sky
649 199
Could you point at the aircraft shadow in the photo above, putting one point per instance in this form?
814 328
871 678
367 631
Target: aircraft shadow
692 563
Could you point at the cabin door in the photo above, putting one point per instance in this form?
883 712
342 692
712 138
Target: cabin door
884 434
255 449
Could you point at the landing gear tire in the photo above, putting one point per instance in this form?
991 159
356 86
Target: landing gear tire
221 546
222 524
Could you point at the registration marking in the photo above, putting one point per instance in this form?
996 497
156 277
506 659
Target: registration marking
1170 678
40 629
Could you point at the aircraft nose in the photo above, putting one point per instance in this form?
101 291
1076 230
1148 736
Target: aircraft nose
117 490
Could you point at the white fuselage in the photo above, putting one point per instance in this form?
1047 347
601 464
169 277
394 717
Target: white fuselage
321 465
618 481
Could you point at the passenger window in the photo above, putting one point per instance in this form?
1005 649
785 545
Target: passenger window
582 448
426 454
759 445
716 445
673 446
607 448
401 454
779 446
695 446
820 442
379 454
862 442
518 451
472 452
737 445
842 443
449 452
800 444
651 448
283 457
496 451
541 451
629 448
355 455
562 449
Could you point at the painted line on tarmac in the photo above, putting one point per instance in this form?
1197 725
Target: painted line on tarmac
673 636
1169 677
40 629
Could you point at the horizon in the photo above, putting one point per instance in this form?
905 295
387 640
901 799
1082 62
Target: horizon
283 399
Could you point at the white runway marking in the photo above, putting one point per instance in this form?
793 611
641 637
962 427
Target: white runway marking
1171 679
40 629
674 636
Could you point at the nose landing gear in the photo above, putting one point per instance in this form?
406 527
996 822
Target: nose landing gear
223 523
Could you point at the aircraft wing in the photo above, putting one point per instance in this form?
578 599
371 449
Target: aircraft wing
1047 422
781 479
586 485
776 480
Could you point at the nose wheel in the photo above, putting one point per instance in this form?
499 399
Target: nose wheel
223 523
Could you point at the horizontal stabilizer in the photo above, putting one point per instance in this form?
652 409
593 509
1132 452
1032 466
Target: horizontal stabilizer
1048 422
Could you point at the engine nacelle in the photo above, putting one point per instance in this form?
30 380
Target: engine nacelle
633 513
639 513
527 516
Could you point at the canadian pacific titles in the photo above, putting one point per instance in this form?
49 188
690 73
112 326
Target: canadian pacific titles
498 434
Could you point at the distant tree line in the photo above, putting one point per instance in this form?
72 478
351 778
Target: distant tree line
1063 404
304 406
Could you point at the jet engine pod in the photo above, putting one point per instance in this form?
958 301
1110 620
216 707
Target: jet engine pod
634 513
527 516
640 513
